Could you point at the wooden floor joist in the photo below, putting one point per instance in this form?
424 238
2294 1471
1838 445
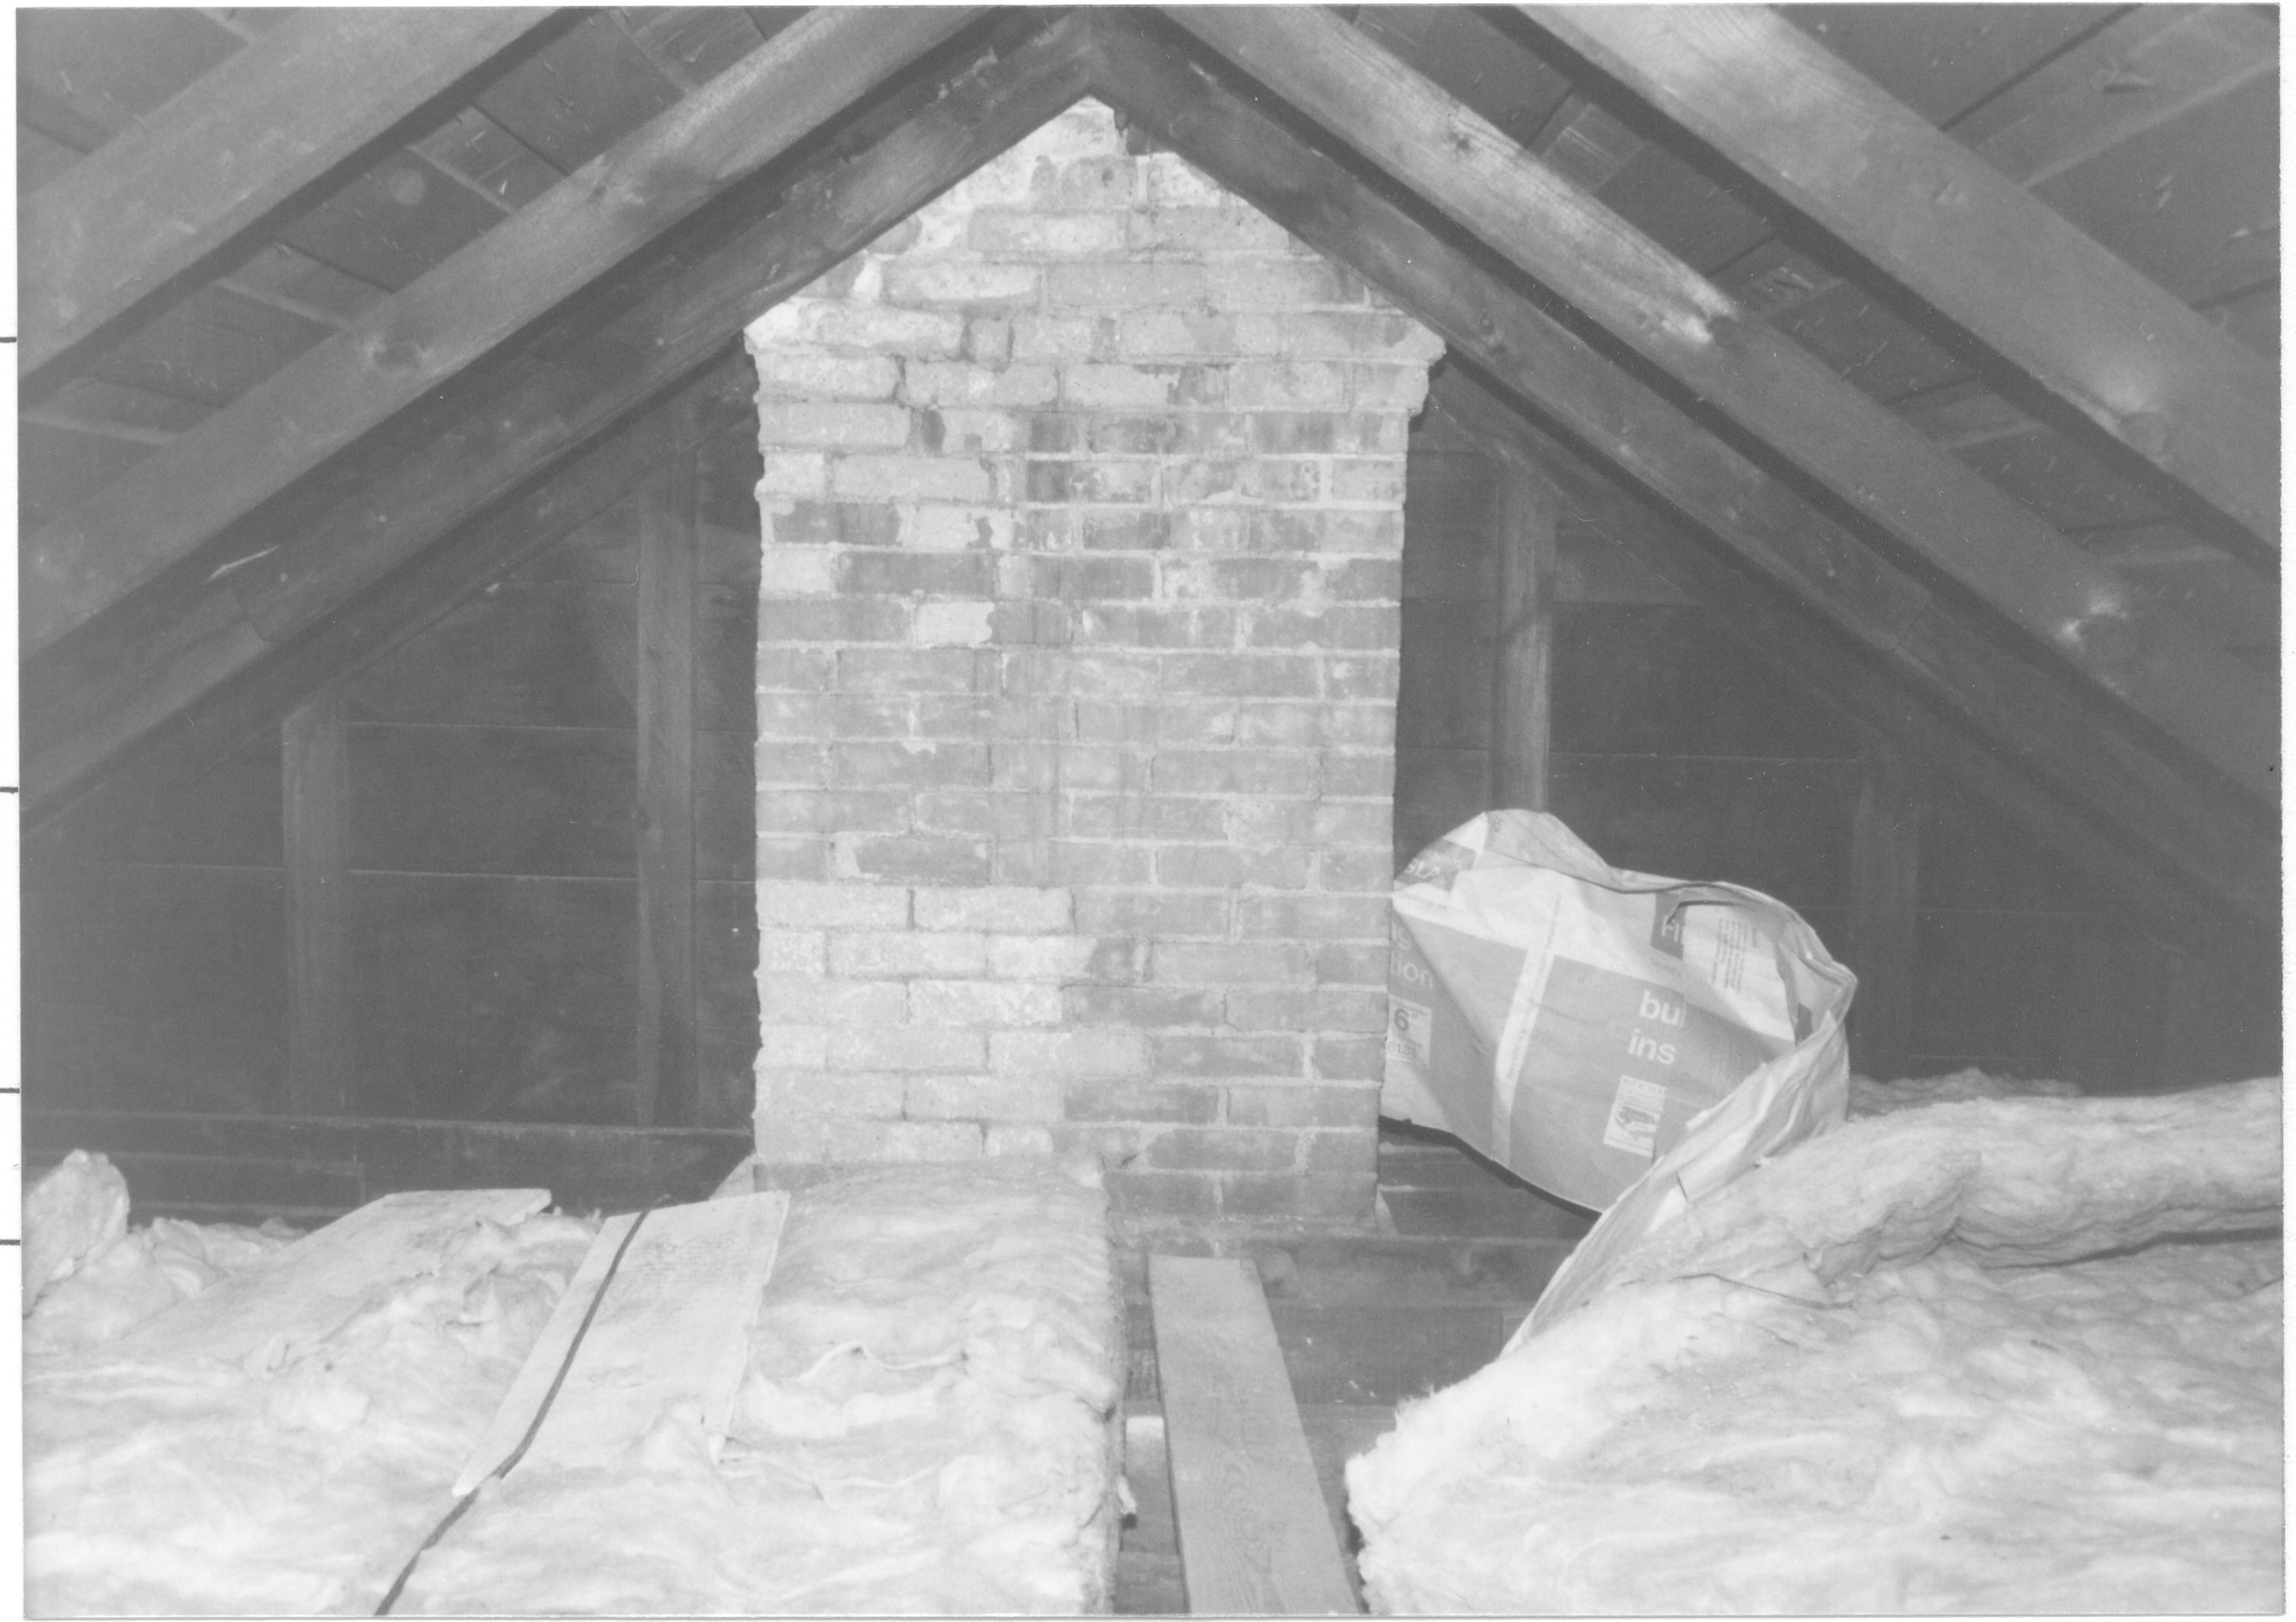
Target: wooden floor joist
1255 1537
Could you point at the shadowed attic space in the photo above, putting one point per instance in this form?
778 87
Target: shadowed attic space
653 604
347 859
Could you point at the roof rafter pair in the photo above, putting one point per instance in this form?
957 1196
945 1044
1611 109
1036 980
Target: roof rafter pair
104 577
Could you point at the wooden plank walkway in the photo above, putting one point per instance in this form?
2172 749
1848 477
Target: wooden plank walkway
1255 1536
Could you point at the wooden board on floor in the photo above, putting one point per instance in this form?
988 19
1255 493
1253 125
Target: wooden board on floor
1255 1537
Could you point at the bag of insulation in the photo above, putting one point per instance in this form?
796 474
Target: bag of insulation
1623 1041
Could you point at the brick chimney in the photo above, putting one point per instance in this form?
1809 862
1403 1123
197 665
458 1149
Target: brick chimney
1083 505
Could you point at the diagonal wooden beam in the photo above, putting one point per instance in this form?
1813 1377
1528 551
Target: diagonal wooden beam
429 331
130 671
2223 844
1977 247
1773 626
1646 298
2148 65
234 703
104 237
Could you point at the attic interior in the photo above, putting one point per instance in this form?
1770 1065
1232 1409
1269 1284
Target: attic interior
850 605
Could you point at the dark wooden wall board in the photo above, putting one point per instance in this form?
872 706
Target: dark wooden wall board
1972 862
1443 698
1781 826
1997 988
725 805
226 816
1449 506
540 653
726 655
154 987
481 947
586 1167
1436 790
1641 679
559 801
2025 966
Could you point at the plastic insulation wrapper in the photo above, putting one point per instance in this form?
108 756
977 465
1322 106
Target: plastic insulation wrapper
1625 1042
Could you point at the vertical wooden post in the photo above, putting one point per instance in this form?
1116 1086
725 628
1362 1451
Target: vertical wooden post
1884 894
669 549
1522 654
315 805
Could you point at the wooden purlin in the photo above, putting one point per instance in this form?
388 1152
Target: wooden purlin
2222 842
97 242
669 564
1975 246
114 681
315 816
236 700
1914 492
411 344
2170 902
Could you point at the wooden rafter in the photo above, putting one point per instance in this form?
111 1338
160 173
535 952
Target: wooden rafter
1866 693
1650 301
96 695
1941 221
435 328
2222 844
2150 65
98 241
236 701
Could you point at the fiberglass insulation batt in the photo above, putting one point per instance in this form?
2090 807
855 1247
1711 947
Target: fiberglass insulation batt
161 1480
1991 1355
926 1425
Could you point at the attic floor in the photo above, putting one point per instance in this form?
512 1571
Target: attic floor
1363 1324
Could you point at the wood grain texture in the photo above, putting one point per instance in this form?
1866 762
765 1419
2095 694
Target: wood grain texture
668 556
316 814
192 691
1885 846
1672 317
263 125
2219 843
2228 919
435 328
2127 355
1522 690
2145 67
1255 1539
101 690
